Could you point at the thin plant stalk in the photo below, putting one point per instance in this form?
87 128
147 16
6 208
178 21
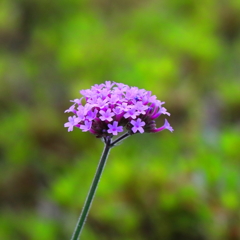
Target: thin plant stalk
91 193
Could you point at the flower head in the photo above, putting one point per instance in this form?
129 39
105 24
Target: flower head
110 107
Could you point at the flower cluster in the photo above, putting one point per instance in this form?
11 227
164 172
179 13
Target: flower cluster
106 109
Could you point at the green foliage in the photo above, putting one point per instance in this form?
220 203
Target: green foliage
167 186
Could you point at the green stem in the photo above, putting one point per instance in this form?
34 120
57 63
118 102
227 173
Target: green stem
92 190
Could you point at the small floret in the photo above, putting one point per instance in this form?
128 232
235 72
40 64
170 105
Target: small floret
86 126
114 128
106 115
137 125
72 121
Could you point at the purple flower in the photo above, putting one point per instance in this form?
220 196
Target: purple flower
108 108
137 125
97 87
131 93
86 126
117 110
77 101
114 128
124 106
98 101
132 113
140 107
71 122
164 111
106 115
71 109
165 126
91 115
109 84
86 93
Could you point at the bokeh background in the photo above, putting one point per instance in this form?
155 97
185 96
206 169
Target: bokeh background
180 185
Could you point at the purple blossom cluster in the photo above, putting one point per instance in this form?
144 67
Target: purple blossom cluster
109 108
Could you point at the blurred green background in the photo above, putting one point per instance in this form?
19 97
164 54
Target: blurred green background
170 186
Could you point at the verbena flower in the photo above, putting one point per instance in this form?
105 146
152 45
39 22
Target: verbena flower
109 108
138 125
106 110
114 128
